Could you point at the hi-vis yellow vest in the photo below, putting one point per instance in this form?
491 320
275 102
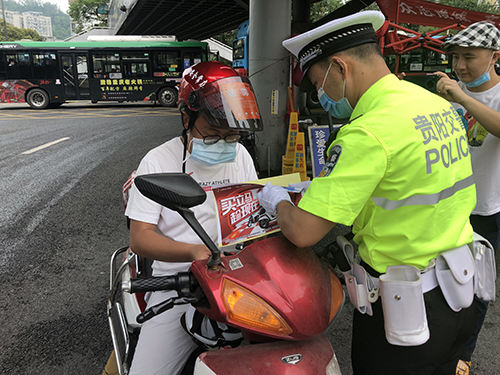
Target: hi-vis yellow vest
400 172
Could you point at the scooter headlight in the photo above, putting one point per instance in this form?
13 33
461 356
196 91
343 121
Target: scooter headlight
245 308
337 298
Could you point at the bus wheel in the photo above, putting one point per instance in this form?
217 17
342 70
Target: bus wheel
38 99
167 97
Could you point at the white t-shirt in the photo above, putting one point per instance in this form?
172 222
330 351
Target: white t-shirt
168 158
485 153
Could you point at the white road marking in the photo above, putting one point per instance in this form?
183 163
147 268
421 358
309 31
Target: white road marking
44 146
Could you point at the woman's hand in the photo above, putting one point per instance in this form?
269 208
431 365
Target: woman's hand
200 252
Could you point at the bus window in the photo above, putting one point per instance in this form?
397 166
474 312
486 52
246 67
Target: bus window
18 65
45 65
135 55
23 60
196 58
135 63
239 49
168 63
136 69
3 75
12 66
98 61
105 63
82 71
191 58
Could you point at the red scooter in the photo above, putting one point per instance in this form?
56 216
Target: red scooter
281 297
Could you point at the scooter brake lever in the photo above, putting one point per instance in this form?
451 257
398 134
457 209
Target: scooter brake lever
163 306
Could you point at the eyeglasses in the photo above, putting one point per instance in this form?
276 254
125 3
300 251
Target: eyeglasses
213 139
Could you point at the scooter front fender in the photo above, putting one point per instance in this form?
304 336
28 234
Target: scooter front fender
311 357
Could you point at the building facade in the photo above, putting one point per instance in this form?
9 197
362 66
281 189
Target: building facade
31 20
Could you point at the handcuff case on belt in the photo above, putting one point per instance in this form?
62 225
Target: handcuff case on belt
455 272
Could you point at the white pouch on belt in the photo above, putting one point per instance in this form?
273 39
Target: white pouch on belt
455 272
485 272
403 304
356 281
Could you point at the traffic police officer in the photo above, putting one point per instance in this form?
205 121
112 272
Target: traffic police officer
399 172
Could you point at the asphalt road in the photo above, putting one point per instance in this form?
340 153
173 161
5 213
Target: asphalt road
60 220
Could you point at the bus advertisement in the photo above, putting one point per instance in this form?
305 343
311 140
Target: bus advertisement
47 74
240 50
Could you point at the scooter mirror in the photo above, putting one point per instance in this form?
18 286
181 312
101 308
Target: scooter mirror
179 192
172 190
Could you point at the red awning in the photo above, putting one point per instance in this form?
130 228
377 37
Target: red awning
420 12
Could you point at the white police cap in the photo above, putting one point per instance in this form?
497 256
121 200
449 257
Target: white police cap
332 37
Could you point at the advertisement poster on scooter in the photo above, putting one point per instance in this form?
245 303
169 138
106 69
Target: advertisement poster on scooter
241 217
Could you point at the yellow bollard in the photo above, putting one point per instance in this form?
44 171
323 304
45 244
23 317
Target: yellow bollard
300 157
289 157
293 129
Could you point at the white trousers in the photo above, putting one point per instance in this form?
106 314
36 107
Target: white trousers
163 347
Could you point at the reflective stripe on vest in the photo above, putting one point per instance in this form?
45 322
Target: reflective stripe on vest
428 199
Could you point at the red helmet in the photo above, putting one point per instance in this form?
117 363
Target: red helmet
225 99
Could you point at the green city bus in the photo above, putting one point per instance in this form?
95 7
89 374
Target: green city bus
47 74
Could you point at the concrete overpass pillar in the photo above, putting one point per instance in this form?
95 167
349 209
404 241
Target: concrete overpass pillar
269 71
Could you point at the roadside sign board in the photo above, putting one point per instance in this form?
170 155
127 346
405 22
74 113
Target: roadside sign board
318 136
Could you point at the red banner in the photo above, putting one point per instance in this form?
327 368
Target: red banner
419 12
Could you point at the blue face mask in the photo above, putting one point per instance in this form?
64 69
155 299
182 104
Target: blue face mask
341 109
220 152
485 77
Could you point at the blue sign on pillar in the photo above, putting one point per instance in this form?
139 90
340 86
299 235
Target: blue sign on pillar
318 136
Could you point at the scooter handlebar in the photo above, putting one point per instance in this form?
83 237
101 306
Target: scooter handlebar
151 284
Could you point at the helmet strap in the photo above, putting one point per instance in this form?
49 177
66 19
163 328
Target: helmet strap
193 115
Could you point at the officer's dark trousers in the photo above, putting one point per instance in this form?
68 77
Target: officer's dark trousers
489 228
372 354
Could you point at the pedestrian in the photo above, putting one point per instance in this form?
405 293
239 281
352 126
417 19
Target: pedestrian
209 151
476 96
399 172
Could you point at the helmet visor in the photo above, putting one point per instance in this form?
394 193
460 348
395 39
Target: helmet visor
229 103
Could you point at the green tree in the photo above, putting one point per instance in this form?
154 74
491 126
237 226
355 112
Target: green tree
227 37
15 33
476 6
324 8
84 14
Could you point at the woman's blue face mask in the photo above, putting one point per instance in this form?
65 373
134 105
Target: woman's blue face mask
341 109
220 152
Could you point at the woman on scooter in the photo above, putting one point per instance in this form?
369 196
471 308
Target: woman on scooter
216 105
